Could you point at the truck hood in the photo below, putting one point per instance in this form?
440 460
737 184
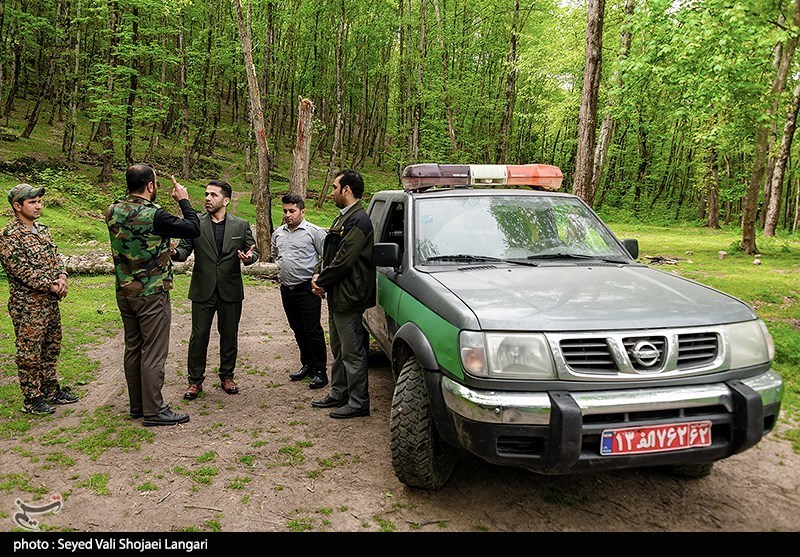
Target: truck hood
588 297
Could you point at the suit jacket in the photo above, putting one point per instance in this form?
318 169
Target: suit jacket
218 270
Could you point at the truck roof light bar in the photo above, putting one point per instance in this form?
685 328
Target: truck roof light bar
420 177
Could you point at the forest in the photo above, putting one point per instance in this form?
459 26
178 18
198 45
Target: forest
661 110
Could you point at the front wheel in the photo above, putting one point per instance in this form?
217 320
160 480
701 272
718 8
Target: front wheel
420 457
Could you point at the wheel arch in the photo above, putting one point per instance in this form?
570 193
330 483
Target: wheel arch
411 339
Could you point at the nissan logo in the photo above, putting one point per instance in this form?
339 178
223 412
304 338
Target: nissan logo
645 353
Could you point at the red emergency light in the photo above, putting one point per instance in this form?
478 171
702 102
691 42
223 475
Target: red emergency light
418 177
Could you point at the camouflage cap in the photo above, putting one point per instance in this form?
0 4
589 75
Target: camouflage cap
21 192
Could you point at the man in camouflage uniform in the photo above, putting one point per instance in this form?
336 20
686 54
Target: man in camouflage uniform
37 280
140 233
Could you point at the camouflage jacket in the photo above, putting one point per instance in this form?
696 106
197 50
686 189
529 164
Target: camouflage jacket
142 263
31 261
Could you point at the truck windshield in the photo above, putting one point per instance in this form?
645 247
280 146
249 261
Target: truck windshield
509 227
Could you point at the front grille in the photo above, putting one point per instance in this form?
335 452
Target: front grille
653 354
588 354
697 349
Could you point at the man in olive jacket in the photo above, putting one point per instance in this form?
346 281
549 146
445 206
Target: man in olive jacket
216 287
346 277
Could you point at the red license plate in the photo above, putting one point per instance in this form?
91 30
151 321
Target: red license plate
655 439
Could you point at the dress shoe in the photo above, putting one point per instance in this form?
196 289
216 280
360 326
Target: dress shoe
304 372
348 411
165 417
193 390
319 380
229 386
328 402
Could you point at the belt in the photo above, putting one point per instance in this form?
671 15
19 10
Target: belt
300 286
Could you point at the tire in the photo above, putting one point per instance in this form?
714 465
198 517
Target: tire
420 458
699 470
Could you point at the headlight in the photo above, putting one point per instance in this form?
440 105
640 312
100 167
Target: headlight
506 355
751 344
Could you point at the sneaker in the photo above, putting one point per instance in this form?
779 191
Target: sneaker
63 396
38 406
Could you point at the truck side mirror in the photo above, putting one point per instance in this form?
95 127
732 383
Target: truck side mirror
632 245
386 254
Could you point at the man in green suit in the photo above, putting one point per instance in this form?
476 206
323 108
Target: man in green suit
216 287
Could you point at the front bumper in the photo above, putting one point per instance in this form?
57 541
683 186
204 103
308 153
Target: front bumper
559 431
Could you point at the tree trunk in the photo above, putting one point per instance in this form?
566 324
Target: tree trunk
607 128
47 84
261 179
337 132
416 110
582 184
104 127
15 68
298 183
510 91
71 127
712 190
796 223
132 93
184 95
448 101
776 189
778 55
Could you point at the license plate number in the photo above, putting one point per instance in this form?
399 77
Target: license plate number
655 439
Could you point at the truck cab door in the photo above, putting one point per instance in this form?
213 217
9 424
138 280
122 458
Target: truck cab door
389 223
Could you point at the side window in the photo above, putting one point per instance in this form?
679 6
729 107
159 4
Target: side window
375 211
394 226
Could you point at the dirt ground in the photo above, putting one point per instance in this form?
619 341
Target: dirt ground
266 461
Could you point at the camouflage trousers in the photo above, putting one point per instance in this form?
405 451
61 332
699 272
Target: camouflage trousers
37 325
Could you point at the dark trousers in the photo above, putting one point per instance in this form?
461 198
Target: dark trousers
146 321
350 368
303 311
228 316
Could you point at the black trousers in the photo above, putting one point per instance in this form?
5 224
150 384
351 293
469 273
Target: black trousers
228 316
303 311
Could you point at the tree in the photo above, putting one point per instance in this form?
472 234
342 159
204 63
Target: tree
337 131
298 182
750 207
607 127
776 189
261 179
587 121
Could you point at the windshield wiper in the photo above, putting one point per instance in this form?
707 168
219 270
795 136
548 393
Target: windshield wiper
561 255
462 257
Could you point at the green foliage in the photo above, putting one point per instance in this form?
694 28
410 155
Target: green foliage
98 483
100 432
147 486
19 481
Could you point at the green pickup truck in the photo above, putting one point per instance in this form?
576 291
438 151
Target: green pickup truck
521 330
